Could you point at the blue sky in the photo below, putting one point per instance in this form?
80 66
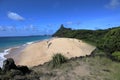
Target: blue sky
32 17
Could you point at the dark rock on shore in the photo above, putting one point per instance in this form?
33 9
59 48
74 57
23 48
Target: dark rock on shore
23 69
0 69
8 64
10 70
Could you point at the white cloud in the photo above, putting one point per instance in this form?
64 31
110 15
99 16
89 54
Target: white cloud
3 28
50 25
30 28
69 23
15 16
78 23
33 28
113 4
11 28
8 28
72 23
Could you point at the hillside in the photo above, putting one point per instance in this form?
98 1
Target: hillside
86 68
87 35
106 40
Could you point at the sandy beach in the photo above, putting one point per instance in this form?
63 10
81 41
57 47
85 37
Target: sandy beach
41 52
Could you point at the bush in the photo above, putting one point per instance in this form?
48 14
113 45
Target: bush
111 41
116 55
58 59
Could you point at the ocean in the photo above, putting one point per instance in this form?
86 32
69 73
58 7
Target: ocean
6 43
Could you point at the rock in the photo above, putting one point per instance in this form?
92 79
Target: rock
10 71
24 69
8 64
0 69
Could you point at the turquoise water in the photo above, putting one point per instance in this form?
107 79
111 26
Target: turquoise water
7 42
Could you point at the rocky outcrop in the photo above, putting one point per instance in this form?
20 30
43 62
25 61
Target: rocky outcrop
10 70
8 64
23 69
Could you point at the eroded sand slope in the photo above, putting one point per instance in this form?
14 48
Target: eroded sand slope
41 52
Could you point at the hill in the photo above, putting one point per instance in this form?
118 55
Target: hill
107 40
88 35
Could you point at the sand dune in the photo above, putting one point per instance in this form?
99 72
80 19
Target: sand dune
41 52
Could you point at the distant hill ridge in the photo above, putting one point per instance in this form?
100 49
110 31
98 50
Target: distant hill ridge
107 40
87 35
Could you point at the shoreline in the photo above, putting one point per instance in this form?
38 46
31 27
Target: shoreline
13 52
42 51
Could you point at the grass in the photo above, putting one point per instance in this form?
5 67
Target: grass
99 67
58 59
116 55
87 68
105 68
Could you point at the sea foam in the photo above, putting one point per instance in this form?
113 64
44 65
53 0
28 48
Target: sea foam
5 52
2 58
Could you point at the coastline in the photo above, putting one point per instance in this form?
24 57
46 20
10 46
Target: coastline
40 52
14 52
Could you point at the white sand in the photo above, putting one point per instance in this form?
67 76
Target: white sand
41 52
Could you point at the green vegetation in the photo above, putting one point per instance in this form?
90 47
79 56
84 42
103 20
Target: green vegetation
58 59
107 40
87 35
111 41
116 55
86 68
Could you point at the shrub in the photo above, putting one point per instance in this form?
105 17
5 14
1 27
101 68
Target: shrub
111 41
116 55
58 59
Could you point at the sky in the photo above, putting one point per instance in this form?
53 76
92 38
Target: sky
39 17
